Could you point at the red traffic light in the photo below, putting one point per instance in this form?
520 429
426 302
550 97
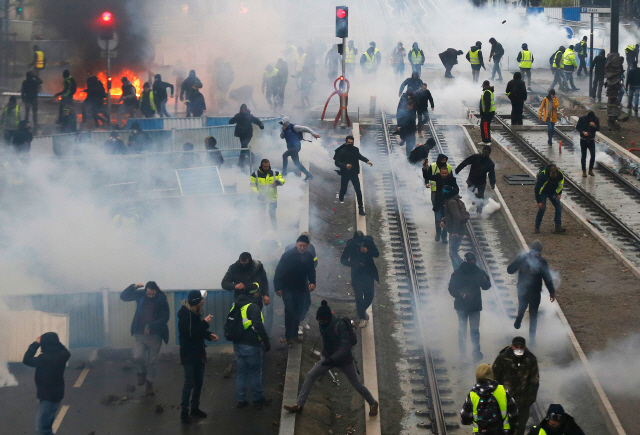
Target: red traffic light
341 13
341 78
106 17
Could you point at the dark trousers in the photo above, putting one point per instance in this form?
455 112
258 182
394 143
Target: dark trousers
447 70
193 378
526 72
480 194
31 105
423 118
523 417
584 146
64 101
532 301
556 203
398 68
582 62
189 109
345 177
409 142
293 153
293 306
363 290
517 107
244 144
475 72
438 214
485 126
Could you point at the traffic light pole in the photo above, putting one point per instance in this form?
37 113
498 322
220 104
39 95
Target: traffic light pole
108 83
591 94
615 24
343 95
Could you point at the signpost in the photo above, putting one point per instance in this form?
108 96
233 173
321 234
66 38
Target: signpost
108 41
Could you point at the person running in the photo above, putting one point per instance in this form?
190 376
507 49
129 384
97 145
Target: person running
588 126
293 135
481 166
244 130
434 178
549 185
347 157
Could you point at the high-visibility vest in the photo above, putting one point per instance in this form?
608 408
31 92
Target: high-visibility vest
152 103
39 59
492 108
416 57
583 48
17 117
555 57
263 182
630 48
569 58
300 61
435 170
370 60
541 431
350 54
246 323
268 74
560 184
68 91
526 59
474 57
501 397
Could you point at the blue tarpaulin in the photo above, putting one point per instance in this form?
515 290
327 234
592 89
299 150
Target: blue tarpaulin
571 14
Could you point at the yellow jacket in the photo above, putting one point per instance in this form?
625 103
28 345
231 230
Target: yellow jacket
543 113
262 184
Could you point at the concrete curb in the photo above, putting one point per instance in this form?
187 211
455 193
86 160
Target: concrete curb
294 357
612 421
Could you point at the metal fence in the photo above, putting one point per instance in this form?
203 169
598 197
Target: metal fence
100 318
183 123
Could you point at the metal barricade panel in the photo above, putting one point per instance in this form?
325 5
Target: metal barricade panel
181 123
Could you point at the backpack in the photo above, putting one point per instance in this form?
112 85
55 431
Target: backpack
489 415
464 214
233 327
353 338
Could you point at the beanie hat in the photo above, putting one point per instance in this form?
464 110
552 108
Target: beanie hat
303 239
484 372
519 340
536 245
194 297
556 411
486 83
324 311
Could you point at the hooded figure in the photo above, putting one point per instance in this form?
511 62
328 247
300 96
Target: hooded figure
449 58
247 275
597 66
588 126
496 54
22 138
421 151
160 94
413 83
347 158
517 93
557 422
416 58
556 63
244 130
139 140
481 166
397 59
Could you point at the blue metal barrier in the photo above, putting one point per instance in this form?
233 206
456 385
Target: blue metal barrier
218 304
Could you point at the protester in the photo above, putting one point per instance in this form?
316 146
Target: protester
22 138
422 98
307 296
147 101
517 93
69 88
557 422
347 157
29 95
265 182
247 276
435 178
481 166
214 155
244 130
548 113
161 97
189 85
293 135
549 185
10 119
128 101
588 126
454 220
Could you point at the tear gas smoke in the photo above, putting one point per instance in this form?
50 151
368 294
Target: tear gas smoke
604 158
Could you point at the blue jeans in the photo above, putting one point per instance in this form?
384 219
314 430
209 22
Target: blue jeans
249 374
439 214
293 306
473 317
163 109
410 143
556 203
496 69
550 128
46 415
634 91
193 378
455 240
305 305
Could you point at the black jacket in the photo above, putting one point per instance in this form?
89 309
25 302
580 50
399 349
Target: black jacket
598 66
197 104
29 90
407 122
293 271
243 121
412 84
186 90
358 262
557 59
533 270
335 342
423 98
192 331
438 202
50 365
449 56
161 314
256 334
546 185
584 126
138 142
480 167
496 52
465 284
516 90
568 427
255 273
95 90
348 154
633 77
160 90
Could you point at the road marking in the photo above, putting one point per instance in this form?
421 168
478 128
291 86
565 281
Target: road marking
59 417
81 378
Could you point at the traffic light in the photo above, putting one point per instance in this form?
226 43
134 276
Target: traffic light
342 22
106 26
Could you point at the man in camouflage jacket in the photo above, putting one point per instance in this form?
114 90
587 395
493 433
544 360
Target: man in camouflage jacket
517 369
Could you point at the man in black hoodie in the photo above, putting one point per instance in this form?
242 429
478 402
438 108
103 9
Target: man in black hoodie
549 185
193 331
347 157
496 53
295 274
413 83
464 285
422 99
358 254
533 270
247 275
588 126
244 130
481 166
449 58
161 97
50 365
29 95
187 89
336 353
454 220
598 75
557 422
148 327
517 93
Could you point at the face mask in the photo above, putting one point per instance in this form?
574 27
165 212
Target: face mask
518 352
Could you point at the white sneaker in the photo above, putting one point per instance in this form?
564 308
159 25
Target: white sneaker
300 331
306 325
362 324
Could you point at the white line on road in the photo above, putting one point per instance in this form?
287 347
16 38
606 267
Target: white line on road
81 378
59 417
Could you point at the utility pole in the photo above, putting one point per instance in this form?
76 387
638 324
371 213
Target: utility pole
591 94
615 24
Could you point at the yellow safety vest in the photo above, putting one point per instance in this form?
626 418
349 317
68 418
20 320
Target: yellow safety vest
569 58
416 57
555 56
560 184
526 59
350 55
268 75
68 91
493 103
151 101
371 60
246 323
541 432
300 61
501 397
264 184
435 170
17 117
39 59
630 48
474 57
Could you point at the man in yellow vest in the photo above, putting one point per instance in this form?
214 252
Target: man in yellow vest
582 56
569 65
265 183
351 54
487 111
38 60
370 60
555 61
489 407
631 53
474 56
10 119
416 58
526 59
557 422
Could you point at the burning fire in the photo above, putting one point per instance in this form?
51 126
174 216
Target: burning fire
243 10
116 84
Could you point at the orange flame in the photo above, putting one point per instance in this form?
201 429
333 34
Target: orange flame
243 10
116 84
